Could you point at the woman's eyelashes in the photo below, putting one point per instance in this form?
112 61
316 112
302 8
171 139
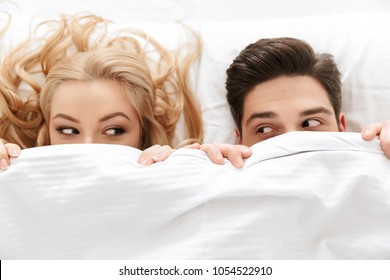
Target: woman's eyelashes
68 131
114 131
111 131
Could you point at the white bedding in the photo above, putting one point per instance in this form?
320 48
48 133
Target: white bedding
301 195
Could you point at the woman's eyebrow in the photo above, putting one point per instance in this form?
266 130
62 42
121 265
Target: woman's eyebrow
67 117
113 115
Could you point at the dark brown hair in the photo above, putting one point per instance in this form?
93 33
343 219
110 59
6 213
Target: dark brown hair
268 59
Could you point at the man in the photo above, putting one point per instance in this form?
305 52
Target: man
279 85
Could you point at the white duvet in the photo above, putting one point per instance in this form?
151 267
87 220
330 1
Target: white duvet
300 196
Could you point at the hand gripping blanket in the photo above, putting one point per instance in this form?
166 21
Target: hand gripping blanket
302 195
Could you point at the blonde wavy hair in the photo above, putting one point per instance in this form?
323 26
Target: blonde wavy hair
80 48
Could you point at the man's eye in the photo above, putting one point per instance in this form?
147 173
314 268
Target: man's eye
311 123
264 129
114 131
68 130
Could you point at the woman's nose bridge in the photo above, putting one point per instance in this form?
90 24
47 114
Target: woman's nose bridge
89 139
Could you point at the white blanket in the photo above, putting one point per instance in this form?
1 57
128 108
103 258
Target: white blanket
301 195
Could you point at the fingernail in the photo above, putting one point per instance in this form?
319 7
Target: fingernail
367 131
156 157
15 153
4 164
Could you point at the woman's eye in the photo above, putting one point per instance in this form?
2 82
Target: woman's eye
264 129
114 131
311 123
68 130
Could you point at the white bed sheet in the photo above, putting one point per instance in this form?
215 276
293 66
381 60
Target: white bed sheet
301 195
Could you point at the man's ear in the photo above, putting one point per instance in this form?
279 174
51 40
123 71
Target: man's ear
238 137
342 126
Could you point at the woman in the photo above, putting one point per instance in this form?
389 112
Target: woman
86 86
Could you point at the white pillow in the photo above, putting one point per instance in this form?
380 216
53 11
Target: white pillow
359 41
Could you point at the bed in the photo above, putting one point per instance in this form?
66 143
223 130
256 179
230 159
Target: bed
299 196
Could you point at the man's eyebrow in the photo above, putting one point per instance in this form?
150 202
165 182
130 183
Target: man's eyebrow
316 110
113 115
67 117
261 115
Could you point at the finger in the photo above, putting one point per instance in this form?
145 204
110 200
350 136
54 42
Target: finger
193 146
13 150
4 158
4 164
245 151
384 138
369 132
236 154
235 157
155 152
163 155
147 154
213 152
